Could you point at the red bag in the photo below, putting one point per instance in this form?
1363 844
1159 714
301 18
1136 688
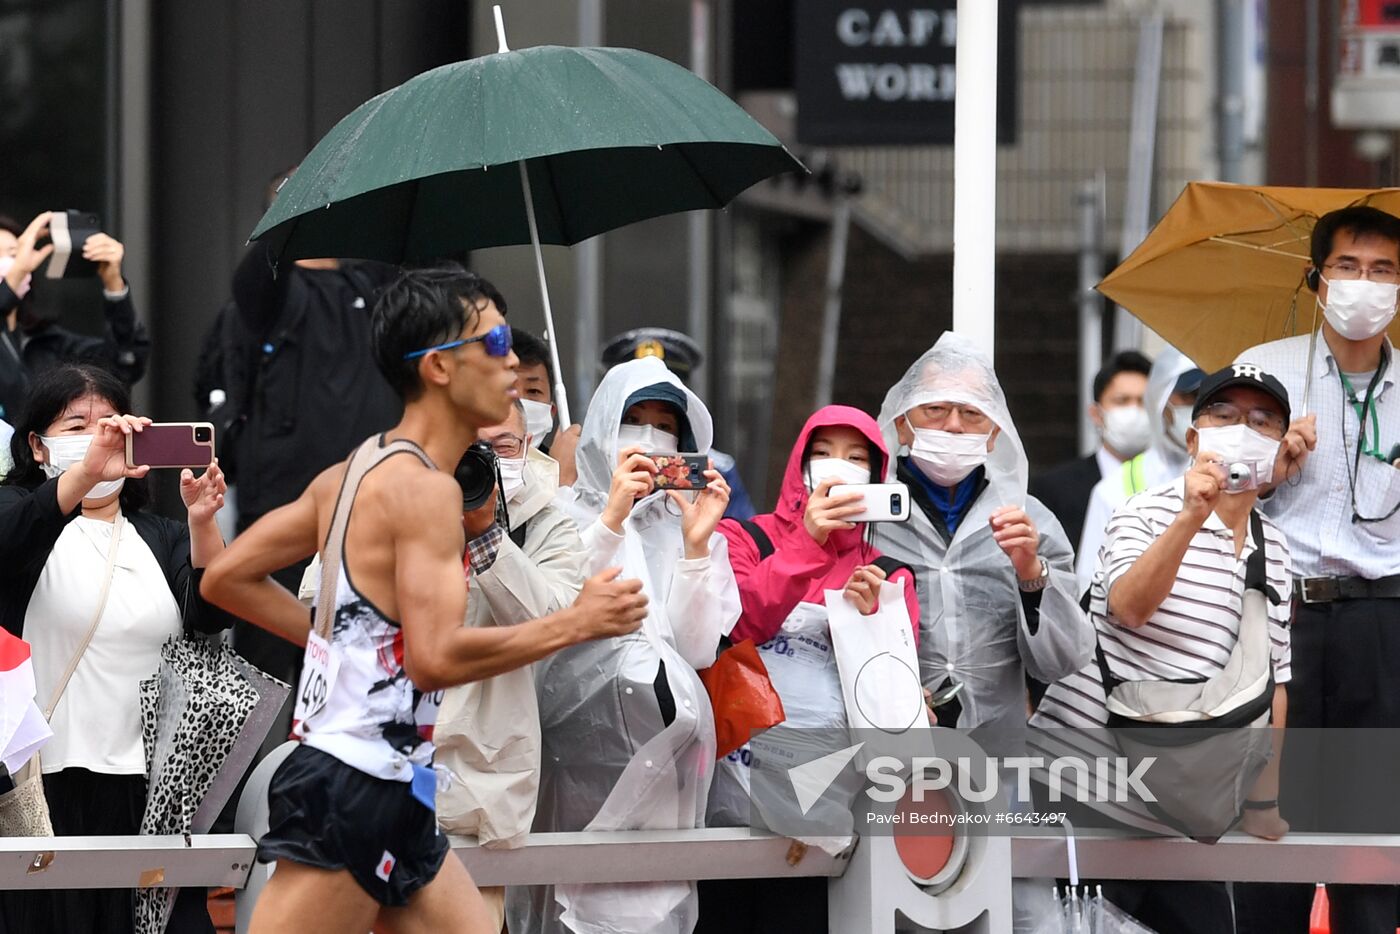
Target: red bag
742 695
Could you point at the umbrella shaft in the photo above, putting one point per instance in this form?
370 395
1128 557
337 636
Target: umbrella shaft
561 400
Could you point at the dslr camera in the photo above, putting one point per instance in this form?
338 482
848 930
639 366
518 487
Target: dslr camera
477 474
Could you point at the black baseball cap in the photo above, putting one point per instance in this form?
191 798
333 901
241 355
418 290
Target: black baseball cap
1240 374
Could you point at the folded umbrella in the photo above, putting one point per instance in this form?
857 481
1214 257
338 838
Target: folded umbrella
23 728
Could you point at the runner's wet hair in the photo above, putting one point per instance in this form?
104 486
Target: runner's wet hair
421 308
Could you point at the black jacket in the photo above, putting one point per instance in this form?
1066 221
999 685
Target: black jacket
305 386
1065 491
123 348
30 523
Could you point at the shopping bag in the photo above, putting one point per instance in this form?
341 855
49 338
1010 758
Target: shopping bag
878 662
742 696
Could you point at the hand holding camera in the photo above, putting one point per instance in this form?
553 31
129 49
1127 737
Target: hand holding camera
634 478
107 253
1204 483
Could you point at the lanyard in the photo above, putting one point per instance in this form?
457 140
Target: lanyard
1373 447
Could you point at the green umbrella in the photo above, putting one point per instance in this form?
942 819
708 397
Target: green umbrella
585 139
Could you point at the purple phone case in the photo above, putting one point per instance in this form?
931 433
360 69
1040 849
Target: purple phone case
171 445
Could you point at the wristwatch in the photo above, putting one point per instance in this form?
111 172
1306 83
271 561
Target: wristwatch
1036 583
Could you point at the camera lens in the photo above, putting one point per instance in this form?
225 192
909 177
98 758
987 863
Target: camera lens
896 504
202 434
476 475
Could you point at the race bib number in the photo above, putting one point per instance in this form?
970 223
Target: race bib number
318 672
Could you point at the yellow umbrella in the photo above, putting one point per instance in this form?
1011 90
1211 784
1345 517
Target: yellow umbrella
1223 270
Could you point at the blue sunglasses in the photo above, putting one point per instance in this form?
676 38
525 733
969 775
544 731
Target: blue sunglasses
498 343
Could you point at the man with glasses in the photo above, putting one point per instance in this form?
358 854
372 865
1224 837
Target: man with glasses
488 732
1340 516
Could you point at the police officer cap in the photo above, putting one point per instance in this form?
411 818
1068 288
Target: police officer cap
676 350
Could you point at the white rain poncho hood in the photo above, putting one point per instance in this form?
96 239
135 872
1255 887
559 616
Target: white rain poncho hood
615 756
956 371
974 629
1166 370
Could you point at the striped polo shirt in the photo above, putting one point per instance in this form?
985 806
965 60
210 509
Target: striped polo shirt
1194 630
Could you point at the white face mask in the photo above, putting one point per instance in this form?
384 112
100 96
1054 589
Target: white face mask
649 438
820 469
1181 420
947 458
512 475
1359 309
1127 429
539 419
1245 453
6 264
69 450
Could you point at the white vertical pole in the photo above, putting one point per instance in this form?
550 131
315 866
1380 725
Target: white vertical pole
588 255
698 299
975 173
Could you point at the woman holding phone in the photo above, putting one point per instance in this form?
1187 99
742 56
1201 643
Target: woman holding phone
785 563
73 530
628 735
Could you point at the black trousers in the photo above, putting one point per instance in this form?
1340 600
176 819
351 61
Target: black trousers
83 803
1346 674
763 906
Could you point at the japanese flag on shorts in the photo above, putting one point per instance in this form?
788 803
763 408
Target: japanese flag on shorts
23 728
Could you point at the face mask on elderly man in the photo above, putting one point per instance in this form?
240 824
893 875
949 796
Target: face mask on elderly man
947 457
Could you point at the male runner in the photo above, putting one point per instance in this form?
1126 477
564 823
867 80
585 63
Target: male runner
352 827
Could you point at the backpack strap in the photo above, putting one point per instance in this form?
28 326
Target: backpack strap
760 538
1255 567
890 565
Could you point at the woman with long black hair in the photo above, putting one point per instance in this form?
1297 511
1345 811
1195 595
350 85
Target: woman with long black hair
70 508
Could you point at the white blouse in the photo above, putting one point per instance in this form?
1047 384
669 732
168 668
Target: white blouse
97 725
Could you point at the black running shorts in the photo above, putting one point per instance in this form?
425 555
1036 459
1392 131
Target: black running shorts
328 815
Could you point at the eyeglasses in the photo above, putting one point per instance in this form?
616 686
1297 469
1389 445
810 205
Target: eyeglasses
1221 414
937 414
1386 275
498 343
508 446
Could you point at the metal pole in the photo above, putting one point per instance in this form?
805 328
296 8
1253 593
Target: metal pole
975 173
698 302
831 313
1229 46
1142 147
588 255
1090 306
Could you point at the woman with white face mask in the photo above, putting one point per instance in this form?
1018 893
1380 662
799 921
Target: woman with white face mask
68 509
784 562
629 738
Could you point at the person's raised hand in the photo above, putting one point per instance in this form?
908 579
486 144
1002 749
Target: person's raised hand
106 455
699 518
634 478
1300 439
107 252
564 450
476 522
827 513
1202 487
863 589
610 606
1017 536
28 253
203 495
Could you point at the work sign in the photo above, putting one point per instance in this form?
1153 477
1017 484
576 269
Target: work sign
883 72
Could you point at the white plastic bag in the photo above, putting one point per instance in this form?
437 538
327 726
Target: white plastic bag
878 663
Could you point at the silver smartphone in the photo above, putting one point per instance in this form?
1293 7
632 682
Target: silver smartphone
884 502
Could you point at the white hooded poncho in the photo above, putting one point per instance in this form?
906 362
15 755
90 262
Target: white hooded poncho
973 623
610 762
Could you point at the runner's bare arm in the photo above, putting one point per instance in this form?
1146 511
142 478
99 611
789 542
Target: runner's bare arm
238 578
431 591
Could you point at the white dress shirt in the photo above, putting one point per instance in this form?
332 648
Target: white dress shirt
1315 509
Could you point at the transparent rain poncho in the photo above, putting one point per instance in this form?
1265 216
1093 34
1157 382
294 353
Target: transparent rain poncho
611 761
974 627
1163 461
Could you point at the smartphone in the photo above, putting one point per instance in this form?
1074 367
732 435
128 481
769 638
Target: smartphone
69 230
884 502
681 471
171 444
